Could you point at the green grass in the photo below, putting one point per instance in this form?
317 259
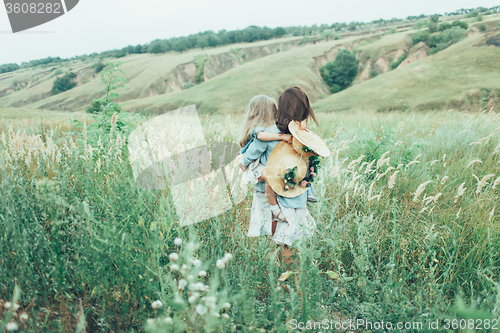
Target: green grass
27 113
462 77
86 245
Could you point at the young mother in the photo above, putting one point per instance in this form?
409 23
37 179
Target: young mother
292 212
293 105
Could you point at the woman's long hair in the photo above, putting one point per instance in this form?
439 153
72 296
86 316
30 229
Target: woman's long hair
293 105
261 111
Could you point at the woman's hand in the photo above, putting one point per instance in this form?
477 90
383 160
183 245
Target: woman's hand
286 137
302 125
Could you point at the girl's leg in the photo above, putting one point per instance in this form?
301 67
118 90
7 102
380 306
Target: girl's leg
262 177
271 197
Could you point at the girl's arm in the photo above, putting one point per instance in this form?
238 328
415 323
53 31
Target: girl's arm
266 136
254 151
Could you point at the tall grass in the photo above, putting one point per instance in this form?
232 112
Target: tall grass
407 231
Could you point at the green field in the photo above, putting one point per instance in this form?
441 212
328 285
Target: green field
396 236
407 217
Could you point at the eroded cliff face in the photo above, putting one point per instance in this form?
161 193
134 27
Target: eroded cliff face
181 75
417 53
371 67
220 63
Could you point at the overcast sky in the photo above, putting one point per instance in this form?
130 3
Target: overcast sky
99 25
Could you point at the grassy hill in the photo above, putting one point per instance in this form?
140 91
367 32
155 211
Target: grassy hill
462 76
231 91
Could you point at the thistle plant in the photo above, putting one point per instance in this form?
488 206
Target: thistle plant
193 299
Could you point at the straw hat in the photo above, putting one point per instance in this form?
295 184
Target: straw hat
299 148
282 158
309 139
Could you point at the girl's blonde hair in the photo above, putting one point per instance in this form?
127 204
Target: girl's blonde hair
261 111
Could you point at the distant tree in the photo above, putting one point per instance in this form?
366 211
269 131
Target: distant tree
434 18
138 48
129 49
155 47
192 41
433 27
159 46
279 32
118 53
98 66
446 38
202 42
444 26
97 106
473 13
421 36
180 45
340 73
352 26
8 67
64 83
213 40
461 24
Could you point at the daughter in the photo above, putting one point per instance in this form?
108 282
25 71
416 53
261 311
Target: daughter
259 136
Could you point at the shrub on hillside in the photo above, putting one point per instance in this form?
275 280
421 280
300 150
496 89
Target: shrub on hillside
98 66
474 13
444 26
391 31
461 24
97 106
421 36
200 61
64 83
482 27
434 18
188 85
340 73
395 64
445 39
479 17
433 27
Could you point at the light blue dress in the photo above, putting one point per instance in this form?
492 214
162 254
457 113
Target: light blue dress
255 149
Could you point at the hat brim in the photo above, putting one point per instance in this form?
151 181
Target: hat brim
309 139
274 169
